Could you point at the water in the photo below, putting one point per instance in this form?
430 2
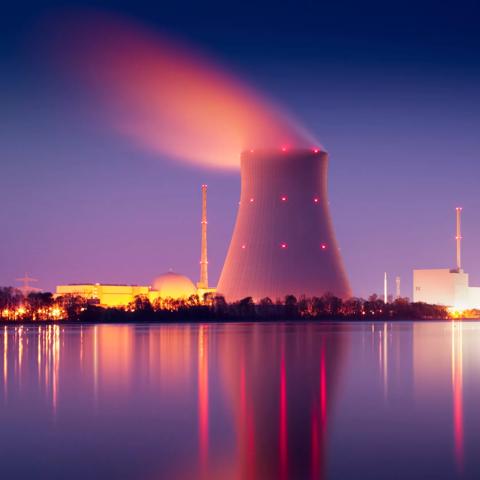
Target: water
240 401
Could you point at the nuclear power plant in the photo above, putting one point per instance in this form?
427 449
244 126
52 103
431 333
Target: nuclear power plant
283 241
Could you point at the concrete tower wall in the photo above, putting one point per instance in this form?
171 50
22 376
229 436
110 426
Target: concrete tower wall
283 241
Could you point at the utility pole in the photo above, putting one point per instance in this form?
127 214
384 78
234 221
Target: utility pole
26 288
458 238
385 289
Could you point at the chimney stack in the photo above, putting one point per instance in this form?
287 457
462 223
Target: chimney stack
459 240
203 283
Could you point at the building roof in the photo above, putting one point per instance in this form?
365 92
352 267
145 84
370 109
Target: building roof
174 285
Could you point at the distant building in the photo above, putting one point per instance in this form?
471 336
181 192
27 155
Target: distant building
441 286
169 285
103 294
447 287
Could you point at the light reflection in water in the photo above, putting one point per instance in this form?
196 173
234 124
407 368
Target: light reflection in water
283 418
457 390
241 401
5 363
203 393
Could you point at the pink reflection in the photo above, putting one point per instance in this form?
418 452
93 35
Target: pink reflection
246 426
323 389
319 420
167 98
283 419
315 444
203 393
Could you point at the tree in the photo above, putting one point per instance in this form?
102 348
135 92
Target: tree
73 305
38 305
291 306
246 307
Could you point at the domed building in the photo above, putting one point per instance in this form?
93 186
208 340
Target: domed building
169 285
173 285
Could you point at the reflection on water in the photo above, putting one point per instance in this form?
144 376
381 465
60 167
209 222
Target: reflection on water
237 401
457 388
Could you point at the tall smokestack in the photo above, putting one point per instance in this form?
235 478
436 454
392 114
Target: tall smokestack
459 240
203 283
283 242
385 288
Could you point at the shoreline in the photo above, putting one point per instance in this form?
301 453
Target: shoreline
38 323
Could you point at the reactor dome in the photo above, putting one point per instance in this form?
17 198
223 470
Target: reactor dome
174 285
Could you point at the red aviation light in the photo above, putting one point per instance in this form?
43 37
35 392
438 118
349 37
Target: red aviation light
283 246
316 150
323 246
252 150
283 198
251 199
244 247
315 200
284 149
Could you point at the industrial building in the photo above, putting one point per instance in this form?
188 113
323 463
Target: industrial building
448 287
169 285
283 241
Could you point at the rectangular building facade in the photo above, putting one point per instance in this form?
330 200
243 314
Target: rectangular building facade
441 286
106 295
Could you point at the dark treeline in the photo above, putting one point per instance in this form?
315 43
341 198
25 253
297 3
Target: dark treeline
42 306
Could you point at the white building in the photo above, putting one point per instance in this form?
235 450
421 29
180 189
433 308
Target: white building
442 286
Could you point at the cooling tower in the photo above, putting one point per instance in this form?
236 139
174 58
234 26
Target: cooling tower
283 241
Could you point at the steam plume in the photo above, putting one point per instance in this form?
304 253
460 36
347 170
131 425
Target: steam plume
167 98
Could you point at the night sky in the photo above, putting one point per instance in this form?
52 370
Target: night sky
390 89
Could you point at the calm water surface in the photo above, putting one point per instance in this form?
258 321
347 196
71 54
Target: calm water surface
241 401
